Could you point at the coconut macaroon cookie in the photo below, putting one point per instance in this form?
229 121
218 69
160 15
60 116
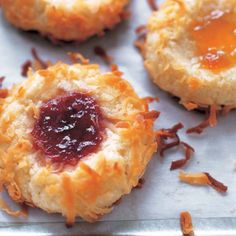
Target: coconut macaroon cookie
190 51
74 140
69 20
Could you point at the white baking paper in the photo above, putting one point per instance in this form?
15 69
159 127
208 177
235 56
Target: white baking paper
162 195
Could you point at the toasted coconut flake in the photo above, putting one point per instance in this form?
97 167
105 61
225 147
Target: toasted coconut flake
186 223
213 116
114 67
76 57
140 183
182 162
202 179
190 106
25 67
4 207
14 192
125 15
115 70
176 128
142 29
54 40
36 64
3 91
139 44
141 33
2 78
220 187
168 138
101 52
193 178
149 99
153 115
153 5
211 121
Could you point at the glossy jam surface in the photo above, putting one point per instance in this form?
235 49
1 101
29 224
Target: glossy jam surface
69 128
215 38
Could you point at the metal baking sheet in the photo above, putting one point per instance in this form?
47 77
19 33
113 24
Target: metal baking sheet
154 209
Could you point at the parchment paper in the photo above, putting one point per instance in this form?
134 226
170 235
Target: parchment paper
162 195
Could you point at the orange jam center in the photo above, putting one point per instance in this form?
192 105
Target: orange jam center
215 38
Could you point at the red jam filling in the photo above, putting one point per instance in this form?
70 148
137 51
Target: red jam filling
69 128
215 38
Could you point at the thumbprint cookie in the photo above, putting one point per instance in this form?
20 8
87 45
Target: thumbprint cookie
74 20
74 140
190 51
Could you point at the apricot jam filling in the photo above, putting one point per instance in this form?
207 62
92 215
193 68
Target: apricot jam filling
69 128
215 39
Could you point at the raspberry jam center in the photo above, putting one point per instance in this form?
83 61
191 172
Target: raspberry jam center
215 38
69 128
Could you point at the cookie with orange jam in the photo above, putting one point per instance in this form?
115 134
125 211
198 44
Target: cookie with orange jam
74 140
190 51
74 20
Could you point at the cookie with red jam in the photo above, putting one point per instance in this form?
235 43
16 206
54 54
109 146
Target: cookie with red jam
74 140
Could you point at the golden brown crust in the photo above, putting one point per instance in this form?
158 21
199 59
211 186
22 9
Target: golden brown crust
171 61
64 20
90 189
